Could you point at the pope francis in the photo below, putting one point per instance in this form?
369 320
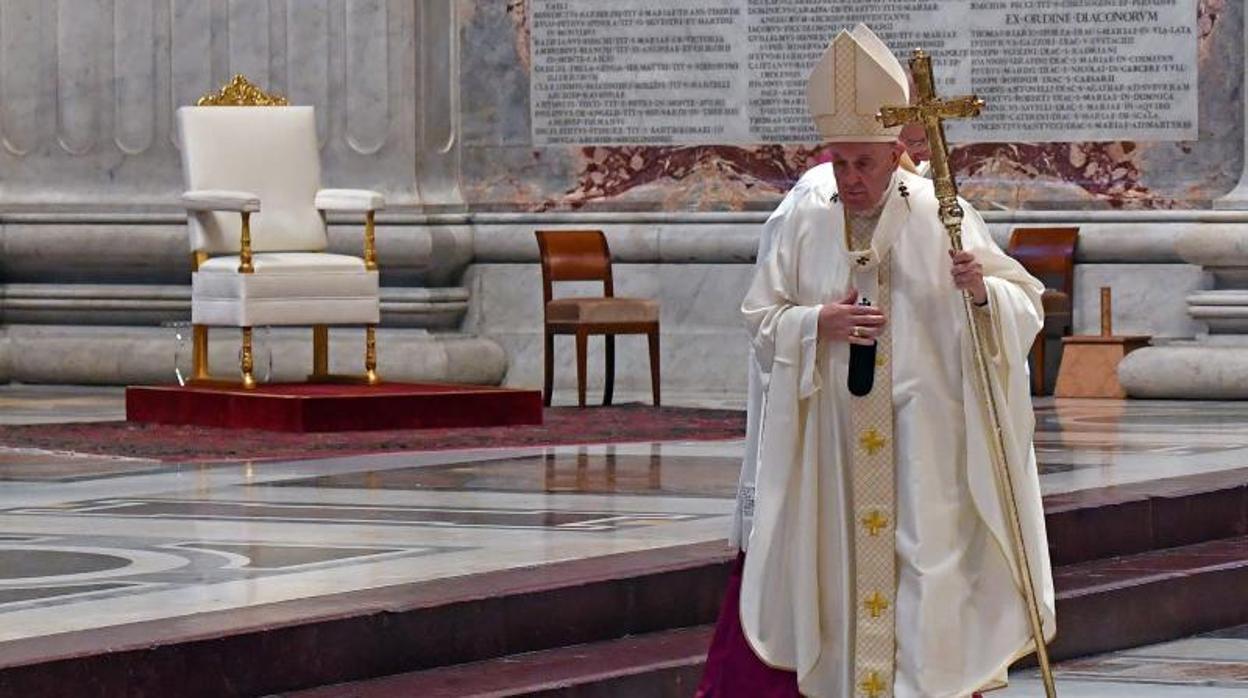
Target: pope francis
876 560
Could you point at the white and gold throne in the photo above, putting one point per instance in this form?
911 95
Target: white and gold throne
256 217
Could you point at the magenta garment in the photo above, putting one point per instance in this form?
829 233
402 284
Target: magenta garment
732 668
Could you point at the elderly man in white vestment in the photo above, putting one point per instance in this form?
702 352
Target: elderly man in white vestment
877 557
917 160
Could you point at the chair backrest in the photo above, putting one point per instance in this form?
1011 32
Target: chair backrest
270 151
574 255
1048 254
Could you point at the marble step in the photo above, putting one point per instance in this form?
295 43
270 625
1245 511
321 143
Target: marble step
1151 597
1151 515
659 665
376 632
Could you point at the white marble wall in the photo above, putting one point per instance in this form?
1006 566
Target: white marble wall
1148 299
702 347
93 247
88 90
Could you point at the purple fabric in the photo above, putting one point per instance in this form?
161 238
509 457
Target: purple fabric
732 668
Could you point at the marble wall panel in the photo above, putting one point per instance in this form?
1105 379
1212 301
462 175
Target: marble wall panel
134 73
438 164
80 73
307 58
368 94
191 63
502 170
248 23
429 101
1148 299
89 89
25 66
702 347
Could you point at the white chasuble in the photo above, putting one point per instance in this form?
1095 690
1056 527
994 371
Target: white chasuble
958 612
755 377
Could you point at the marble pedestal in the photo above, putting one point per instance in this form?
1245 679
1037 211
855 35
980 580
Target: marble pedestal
1213 366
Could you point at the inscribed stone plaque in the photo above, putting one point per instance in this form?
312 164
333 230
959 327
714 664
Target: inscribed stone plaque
734 71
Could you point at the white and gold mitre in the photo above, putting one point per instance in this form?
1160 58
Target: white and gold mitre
855 77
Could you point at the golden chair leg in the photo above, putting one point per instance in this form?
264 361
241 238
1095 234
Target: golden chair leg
246 361
199 353
320 352
244 252
370 355
370 241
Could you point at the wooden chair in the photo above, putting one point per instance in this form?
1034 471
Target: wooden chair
582 255
1049 255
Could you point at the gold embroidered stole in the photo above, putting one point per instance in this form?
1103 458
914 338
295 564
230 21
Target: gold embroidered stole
872 473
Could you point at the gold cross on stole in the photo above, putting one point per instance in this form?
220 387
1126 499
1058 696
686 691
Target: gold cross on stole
875 522
872 686
871 441
876 604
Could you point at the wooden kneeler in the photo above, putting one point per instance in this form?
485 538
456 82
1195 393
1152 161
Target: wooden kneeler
1090 363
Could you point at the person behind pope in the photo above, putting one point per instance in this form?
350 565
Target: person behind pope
875 555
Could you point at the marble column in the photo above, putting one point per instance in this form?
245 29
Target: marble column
1237 198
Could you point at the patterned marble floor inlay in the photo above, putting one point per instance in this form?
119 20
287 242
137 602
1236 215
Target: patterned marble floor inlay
86 552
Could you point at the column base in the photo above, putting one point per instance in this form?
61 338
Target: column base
1195 371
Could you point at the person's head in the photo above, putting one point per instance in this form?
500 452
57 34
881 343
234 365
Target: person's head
855 78
914 138
864 171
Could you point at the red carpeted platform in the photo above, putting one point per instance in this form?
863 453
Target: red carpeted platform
307 407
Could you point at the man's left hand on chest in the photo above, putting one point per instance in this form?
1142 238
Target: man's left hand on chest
968 275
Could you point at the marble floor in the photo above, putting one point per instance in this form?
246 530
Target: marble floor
87 542
1209 666
90 542
43 404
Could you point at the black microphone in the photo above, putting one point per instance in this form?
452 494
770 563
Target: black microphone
861 365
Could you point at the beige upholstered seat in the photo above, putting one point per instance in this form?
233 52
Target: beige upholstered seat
602 310
256 214
286 288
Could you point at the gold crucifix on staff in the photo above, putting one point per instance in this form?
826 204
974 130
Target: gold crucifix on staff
931 111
